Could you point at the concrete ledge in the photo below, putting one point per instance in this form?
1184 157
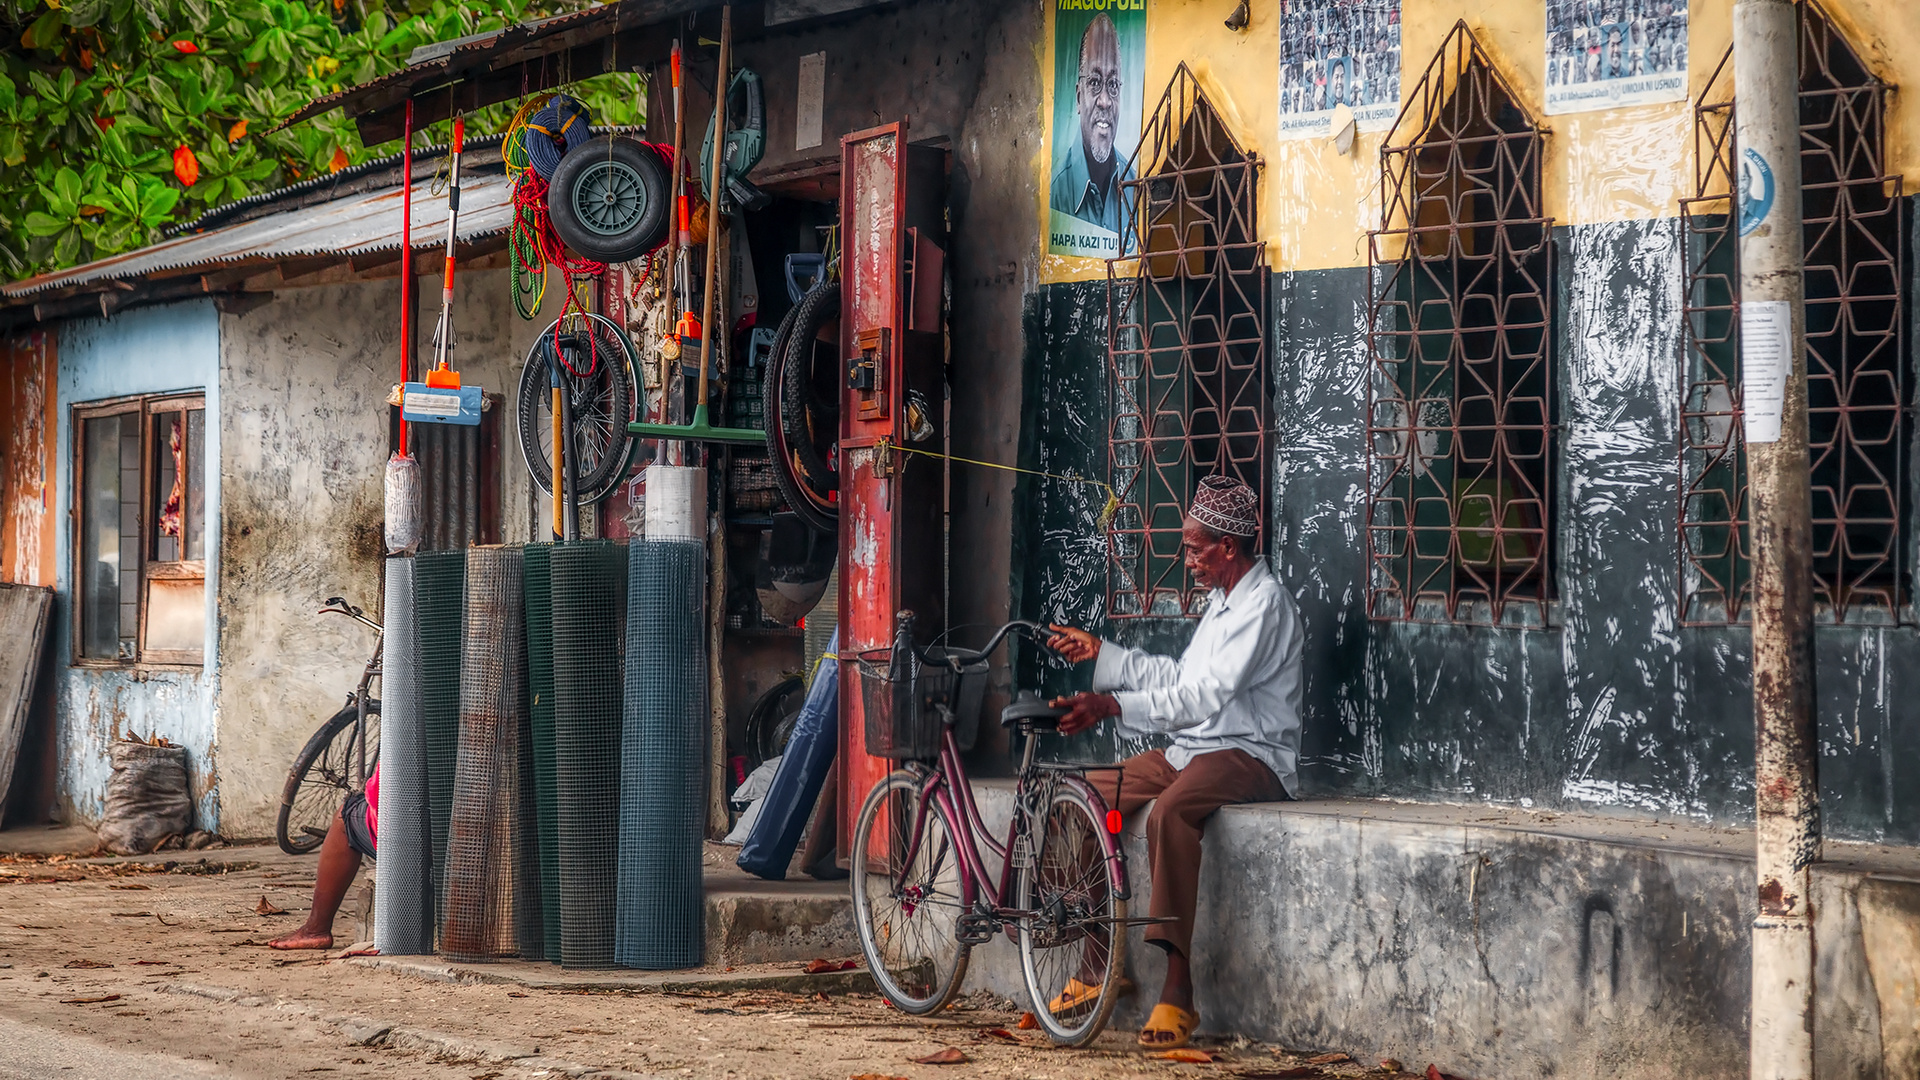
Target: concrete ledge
786 978
1500 942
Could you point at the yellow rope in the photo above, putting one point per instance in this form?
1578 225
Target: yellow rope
1106 511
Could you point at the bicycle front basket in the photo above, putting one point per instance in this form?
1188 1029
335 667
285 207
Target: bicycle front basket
907 703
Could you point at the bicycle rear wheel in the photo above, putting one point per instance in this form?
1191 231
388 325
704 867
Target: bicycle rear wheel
321 776
1077 932
908 899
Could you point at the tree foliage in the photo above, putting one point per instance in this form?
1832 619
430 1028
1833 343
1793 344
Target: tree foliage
119 118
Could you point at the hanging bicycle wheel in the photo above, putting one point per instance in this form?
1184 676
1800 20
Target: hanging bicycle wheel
802 402
597 369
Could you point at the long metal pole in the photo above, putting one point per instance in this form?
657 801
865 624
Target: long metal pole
1774 399
406 261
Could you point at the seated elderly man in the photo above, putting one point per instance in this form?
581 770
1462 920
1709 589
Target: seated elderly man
1232 706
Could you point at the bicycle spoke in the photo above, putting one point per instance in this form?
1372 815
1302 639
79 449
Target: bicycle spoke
1068 945
908 896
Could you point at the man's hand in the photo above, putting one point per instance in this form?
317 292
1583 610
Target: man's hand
1086 709
1075 645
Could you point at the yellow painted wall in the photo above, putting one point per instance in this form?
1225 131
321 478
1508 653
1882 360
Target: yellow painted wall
1608 165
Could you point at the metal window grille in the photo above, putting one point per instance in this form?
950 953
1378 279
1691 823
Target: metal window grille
1460 420
1186 348
1856 386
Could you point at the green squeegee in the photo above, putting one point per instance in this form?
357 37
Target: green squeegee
701 430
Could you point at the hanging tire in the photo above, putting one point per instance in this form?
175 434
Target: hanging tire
609 199
802 409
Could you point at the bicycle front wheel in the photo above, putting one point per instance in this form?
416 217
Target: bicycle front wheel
1073 941
321 777
908 896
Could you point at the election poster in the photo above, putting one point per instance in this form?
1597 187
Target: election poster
1602 54
1334 53
1099 66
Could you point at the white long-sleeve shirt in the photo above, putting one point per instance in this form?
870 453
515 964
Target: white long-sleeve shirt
1236 687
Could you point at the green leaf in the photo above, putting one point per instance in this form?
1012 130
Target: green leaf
66 184
39 224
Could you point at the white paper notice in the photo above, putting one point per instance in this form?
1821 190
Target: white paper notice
1766 358
809 109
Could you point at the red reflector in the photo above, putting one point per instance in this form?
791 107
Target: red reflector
1113 822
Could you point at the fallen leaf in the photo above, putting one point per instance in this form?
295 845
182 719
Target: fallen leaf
85 963
948 1055
1001 1033
1328 1059
136 886
820 995
25 926
265 907
90 1000
151 963
1027 1022
131 914
821 966
1187 1054
1434 1073
1391 1064
515 993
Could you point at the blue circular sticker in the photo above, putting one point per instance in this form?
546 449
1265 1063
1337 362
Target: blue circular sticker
1756 190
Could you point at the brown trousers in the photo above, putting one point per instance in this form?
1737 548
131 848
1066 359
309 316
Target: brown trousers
1186 798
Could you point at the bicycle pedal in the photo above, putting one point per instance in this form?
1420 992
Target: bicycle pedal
975 928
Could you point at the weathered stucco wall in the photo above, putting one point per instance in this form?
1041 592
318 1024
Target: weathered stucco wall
150 350
305 418
1506 943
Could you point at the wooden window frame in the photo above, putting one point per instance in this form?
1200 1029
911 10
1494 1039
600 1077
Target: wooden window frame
146 407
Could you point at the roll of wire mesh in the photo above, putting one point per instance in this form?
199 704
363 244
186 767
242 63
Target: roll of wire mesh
491 899
587 579
539 591
403 898
661 909
439 579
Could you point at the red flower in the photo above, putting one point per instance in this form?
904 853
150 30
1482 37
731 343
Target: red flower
339 160
187 47
186 167
103 122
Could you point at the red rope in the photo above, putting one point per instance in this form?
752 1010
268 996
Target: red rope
531 220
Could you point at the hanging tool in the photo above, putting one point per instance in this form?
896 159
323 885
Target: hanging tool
441 399
401 490
701 429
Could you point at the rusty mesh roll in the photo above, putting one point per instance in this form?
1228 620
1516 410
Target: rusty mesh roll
491 897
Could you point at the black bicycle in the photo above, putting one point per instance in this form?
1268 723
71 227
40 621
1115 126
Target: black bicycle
337 759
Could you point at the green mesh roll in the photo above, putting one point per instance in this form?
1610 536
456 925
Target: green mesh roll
440 593
587 580
540 698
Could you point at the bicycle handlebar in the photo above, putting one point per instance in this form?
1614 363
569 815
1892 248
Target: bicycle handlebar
1033 631
338 605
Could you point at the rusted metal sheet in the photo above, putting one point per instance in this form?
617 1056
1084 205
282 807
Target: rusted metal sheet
1461 423
1854 294
1186 346
890 501
358 225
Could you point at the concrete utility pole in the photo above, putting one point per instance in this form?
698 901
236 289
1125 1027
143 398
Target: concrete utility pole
1774 400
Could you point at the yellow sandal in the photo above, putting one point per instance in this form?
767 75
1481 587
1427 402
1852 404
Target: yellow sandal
1078 996
1168 1028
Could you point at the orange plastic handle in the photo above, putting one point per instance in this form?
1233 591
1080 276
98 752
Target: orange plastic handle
676 65
459 132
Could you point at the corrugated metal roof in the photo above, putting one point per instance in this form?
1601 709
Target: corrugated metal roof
359 224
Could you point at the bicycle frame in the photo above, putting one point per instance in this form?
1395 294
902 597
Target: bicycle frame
358 754
949 784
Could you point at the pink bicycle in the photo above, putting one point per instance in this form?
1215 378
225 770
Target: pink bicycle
923 894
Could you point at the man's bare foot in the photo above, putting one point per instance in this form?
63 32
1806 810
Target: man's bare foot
302 938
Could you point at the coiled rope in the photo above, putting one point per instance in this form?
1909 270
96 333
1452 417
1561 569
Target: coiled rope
565 124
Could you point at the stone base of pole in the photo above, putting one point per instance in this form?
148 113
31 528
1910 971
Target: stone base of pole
1782 1040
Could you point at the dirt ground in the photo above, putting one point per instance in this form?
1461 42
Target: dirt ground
160 956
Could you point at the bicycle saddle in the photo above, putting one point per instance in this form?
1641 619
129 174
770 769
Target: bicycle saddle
1030 708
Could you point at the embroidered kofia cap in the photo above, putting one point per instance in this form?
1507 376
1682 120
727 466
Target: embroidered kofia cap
1226 505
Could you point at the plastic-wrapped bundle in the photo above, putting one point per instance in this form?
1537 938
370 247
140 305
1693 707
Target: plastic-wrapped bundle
403 525
662 758
586 590
489 844
403 897
540 707
440 598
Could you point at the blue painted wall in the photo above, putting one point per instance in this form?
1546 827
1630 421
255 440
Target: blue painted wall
144 351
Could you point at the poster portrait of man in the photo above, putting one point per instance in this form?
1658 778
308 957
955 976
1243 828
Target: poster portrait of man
1099 64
